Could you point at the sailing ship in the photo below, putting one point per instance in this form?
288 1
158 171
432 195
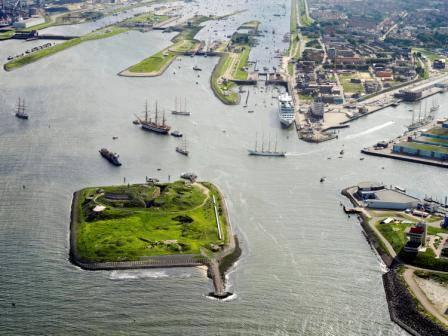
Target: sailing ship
264 151
178 108
20 112
148 124
435 105
183 148
422 120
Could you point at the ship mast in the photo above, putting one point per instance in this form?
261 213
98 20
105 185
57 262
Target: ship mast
185 104
163 120
157 114
146 111
275 149
262 142
256 138
269 143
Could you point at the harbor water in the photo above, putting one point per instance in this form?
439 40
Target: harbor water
306 268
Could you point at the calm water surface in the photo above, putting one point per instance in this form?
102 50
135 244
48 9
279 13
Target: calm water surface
306 268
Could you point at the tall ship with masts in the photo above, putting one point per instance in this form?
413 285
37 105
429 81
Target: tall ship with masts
178 109
424 117
182 149
20 111
265 151
148 124
435 105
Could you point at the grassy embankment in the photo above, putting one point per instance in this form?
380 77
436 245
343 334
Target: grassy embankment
305 20
6 35
396 236
223 89
35 56
232 66
174 218
182 42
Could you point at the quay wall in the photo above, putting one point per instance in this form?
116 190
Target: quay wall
405 158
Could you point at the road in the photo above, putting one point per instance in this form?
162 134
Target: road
408 276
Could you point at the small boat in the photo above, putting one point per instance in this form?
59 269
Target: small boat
196 68
341 152
176 134
322 179
400 189
189 176
20 112
250 111
114 138
136 122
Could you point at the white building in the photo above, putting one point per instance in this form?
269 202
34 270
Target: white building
32 21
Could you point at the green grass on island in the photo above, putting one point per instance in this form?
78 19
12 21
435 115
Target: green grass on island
37 55
7 34
224 89
147 220
155 63
182 43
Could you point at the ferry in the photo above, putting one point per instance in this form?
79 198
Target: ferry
109 156
286 110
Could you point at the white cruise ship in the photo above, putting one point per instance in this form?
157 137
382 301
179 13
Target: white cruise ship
286 109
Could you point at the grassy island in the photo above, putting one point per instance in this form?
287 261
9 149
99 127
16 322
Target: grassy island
35 56
183 43
131 222
232 66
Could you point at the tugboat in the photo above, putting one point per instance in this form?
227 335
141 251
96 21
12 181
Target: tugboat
154 126
176 134
109 156
20 112
183 148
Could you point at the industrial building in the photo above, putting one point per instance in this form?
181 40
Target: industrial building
377 196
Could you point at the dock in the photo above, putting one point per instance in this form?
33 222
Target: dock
387 152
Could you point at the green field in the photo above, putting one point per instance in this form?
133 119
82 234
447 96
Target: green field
6 35
183 42
147 18
348 86
396 236
35 56
239 72
156 63
223 90
146 220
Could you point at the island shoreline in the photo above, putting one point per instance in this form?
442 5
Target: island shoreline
228 256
